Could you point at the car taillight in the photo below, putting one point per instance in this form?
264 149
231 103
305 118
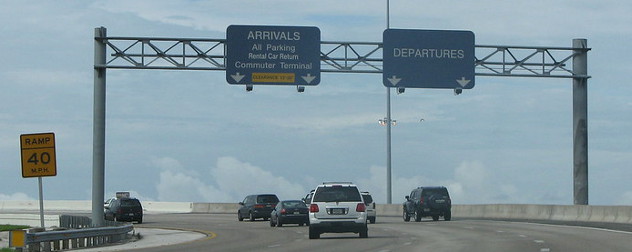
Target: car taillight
283 211
313 208
260 206
361 207
421 201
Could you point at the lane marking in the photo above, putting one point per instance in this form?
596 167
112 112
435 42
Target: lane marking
538 241
567 226
274 246
545 250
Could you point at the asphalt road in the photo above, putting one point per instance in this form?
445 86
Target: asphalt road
225 233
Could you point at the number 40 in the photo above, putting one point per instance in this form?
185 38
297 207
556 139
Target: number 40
44 157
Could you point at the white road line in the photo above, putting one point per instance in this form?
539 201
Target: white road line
274 246
538 241
545 250
523 236
578 227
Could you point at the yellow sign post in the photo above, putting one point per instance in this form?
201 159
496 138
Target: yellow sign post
38 155
17 238
38 160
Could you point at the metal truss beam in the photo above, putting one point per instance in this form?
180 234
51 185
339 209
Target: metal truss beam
345 57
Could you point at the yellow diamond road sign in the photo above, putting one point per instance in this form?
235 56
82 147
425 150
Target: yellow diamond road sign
38 155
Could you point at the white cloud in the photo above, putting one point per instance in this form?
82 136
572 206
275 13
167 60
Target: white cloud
230 181
15 196
472 184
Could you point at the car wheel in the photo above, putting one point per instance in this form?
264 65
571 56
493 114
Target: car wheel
239 216
406 216
140 221
447 215
435 217
364 233
252 217
279 223
313 233
301 224
372 220
417 215
272 223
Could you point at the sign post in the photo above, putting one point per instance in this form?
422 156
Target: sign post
428 59
38 160
277 55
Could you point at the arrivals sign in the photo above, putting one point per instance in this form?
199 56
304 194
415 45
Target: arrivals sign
278 55
38 155
428 59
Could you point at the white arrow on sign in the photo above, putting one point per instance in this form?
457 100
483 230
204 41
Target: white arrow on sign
309 78
394 80
463 82
237 77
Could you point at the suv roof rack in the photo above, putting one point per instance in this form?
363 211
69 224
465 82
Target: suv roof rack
330 183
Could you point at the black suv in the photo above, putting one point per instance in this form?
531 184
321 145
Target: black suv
428 201
257 206
124 209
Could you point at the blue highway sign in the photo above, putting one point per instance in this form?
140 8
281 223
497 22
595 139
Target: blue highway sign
277 55
428 59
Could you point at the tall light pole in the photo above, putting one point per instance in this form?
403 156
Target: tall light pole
389 194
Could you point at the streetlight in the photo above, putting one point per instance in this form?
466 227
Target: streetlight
384 121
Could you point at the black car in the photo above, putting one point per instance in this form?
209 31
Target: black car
428 201
257 206
124 209
289 212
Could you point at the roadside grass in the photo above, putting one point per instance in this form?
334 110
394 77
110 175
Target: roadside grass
12 227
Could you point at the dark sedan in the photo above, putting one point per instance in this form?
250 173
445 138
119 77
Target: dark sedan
289 212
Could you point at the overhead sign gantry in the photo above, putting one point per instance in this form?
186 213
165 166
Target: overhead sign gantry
341 57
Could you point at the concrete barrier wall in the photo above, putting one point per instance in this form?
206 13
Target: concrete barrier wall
612 214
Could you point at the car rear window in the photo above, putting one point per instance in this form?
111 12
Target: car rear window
130 203
439 191
337 194
294 204
267 199
367 198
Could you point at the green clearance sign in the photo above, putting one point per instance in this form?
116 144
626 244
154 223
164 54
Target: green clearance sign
38 155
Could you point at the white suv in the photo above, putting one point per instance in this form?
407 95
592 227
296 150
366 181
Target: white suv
337 207
370 207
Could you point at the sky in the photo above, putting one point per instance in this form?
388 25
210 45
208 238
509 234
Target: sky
189 136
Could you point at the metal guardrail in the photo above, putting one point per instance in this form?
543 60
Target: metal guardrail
82 235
